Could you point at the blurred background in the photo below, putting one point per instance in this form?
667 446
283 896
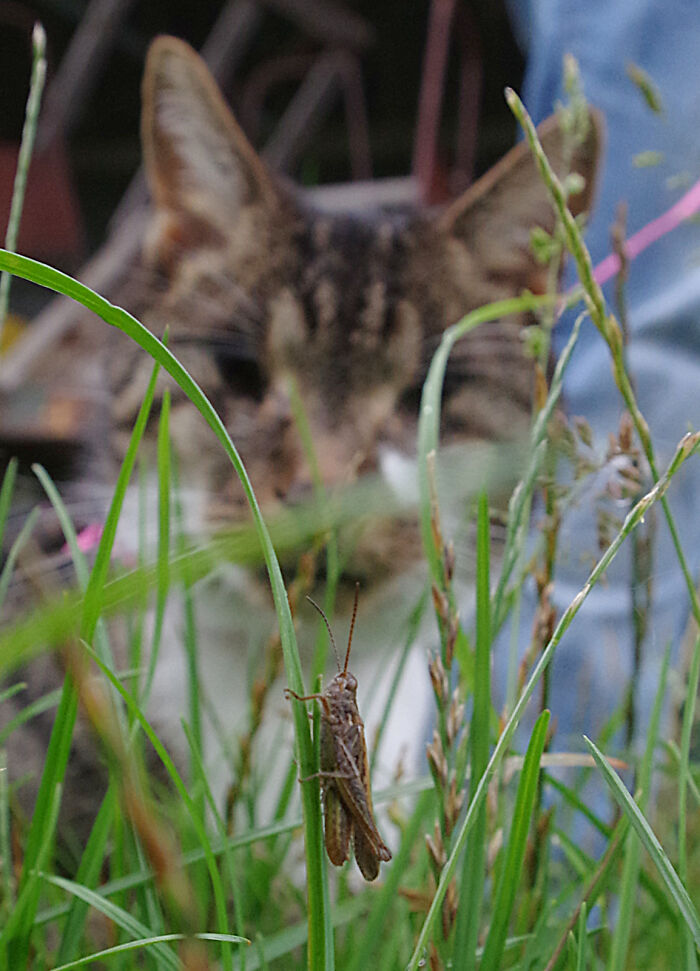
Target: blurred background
327 90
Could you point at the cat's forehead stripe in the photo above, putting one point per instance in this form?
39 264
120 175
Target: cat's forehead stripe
350 268
326 304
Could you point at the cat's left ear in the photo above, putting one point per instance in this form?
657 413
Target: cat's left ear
201 169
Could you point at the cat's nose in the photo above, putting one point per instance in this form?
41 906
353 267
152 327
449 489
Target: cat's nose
276 410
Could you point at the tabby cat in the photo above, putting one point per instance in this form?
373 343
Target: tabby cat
257 284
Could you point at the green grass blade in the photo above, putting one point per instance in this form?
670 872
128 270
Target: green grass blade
687 725
122 918
5 695
471 894
672 881
574 801
223 835
581 950
429 418
89 627
517 844
183 792
201 776
7 901
311 802
146 942
630 872
675 753
94 592
190 641
44 818
66 524
8 487
162 562
87 874
15 550
15 935
281 945
31 122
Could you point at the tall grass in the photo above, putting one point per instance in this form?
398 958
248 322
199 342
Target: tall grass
480 877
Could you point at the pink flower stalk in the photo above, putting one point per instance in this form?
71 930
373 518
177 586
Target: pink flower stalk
686 206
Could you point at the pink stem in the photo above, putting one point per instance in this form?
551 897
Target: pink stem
686 206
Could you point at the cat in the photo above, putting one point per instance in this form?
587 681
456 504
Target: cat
256 285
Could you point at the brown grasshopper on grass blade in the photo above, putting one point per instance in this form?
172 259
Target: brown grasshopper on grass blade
344 775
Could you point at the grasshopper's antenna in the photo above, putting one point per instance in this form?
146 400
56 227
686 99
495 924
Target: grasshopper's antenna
352 625
328 628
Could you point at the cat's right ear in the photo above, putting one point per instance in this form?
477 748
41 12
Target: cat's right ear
494 218
201 169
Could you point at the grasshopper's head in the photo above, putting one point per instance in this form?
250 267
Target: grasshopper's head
346 681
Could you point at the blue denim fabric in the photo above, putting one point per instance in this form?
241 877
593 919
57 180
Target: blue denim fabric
594 661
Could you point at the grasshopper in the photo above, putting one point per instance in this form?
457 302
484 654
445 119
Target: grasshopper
344 775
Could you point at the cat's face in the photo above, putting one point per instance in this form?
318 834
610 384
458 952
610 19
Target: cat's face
258 289
265 295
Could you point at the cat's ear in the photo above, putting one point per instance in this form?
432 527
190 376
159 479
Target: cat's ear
201 169
495 217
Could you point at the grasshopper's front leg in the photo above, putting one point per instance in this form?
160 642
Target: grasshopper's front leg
288 693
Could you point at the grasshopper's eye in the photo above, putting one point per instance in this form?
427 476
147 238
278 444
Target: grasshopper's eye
350 681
